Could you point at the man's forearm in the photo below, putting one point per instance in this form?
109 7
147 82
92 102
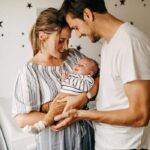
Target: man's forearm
116 117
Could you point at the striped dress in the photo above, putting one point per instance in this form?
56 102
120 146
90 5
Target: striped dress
36 85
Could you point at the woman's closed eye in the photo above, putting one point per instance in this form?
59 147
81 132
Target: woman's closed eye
61 40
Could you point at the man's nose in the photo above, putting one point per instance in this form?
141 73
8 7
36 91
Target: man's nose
79 35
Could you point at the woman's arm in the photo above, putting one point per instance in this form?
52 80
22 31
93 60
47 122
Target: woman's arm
80 100
29 118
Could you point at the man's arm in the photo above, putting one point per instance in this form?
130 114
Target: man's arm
137 115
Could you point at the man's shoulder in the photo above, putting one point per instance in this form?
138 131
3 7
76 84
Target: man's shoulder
131 32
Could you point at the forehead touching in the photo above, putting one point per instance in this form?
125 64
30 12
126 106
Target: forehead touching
65 32
72 20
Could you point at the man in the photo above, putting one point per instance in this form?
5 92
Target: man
123 101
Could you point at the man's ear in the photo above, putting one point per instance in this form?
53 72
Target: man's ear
88 15
42 36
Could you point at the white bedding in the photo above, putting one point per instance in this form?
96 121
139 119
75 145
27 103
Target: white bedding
15 138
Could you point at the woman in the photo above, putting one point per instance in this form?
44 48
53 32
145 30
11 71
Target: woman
39 81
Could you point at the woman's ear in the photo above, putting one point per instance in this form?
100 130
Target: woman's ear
88 15
42 36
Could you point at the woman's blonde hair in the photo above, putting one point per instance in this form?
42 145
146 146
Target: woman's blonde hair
48 21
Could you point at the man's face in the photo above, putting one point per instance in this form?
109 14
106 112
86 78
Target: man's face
82 28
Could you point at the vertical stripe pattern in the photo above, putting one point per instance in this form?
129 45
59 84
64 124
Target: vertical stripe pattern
37 84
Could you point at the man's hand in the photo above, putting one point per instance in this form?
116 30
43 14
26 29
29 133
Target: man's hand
65 119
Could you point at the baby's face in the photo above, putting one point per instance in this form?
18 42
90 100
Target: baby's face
83 67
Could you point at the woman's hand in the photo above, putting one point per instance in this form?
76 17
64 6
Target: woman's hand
70 113
74 102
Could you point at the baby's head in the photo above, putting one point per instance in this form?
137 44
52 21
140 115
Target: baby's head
86 66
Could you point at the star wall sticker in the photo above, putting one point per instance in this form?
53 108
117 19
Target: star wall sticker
122 2
1 23
116 5
143 1
78 47
29 5
131 22
22 33
2 35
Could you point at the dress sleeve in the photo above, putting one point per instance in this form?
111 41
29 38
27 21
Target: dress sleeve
26 92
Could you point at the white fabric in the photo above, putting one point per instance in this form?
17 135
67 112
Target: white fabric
35 129
125 58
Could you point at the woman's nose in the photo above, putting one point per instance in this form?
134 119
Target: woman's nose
65 45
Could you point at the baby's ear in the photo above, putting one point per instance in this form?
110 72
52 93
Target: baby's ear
91 73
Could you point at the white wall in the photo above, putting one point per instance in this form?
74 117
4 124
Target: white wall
18 18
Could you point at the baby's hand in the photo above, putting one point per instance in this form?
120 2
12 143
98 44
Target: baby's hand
64 76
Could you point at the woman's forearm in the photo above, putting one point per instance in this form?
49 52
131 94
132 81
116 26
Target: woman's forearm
29 119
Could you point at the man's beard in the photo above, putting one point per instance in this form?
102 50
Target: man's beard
95 39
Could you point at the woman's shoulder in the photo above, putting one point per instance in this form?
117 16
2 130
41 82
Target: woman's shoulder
26 68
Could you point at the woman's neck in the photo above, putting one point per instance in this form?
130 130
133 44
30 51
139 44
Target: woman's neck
45 59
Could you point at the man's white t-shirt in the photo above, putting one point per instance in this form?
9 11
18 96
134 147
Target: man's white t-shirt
125 58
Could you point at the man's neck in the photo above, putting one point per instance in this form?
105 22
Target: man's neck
107 25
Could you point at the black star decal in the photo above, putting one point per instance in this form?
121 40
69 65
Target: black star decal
99 55
116 5
122 2
144 5
78 47
131 22
2 34
142 0
29 5
22 33
1 23
23 46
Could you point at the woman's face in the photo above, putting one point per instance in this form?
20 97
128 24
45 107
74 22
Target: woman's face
57 43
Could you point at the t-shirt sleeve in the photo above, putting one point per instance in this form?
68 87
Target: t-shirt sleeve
135 61
25 94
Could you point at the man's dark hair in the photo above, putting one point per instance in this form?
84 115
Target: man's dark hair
76 7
